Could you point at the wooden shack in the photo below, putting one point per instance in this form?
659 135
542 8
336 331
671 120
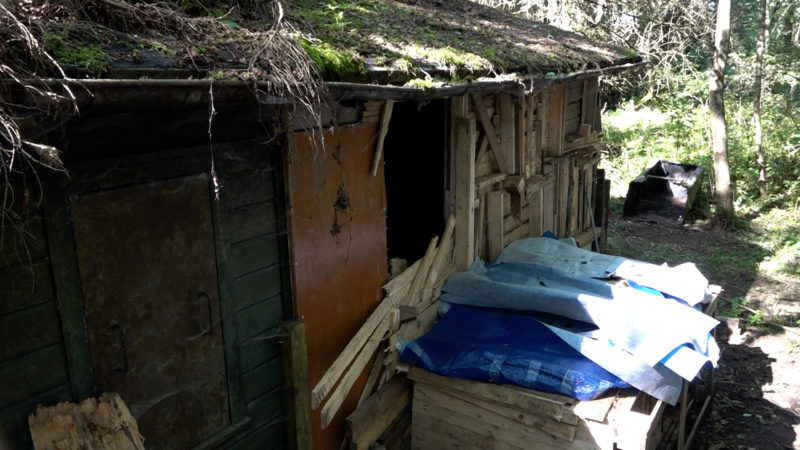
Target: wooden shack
212 279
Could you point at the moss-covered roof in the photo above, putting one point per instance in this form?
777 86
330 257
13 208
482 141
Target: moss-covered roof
394 41
413 42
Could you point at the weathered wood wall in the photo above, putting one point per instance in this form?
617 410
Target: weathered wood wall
520 166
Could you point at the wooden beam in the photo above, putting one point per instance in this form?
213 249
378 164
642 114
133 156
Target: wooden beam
507 132
349 379
386 116
494 223
295 379
463 150
488 131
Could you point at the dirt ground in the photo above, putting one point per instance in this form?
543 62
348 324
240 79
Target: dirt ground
757 400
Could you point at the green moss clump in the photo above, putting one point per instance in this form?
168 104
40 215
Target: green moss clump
90 56
331 62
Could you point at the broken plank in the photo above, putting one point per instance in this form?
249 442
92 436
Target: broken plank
439 258
488 131
348 380
422 274
386 116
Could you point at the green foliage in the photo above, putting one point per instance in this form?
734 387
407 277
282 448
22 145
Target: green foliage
88 55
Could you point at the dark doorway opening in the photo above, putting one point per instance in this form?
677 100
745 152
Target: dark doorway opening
415 178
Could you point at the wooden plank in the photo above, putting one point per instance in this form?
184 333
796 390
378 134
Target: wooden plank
400 284
263 378
494 223
30 374
297 398
521 133
353 348
517 233
253 254
554 121
430 432
549 206
535 213
372 418
68 293
558 407
508 133
574 201
422 274
489 132
26 286
448 397
530 136
480 247
462 415
256 286
29 329
574 91
564 171
439 259
386 117
464 152
486 183
589 102
349 379
374 372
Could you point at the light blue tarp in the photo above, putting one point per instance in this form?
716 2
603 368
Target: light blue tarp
683 282
645 325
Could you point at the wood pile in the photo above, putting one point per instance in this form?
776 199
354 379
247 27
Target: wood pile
94 423
407 311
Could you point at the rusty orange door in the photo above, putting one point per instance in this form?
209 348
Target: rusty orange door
338 248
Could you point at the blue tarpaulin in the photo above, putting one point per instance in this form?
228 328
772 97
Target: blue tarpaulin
507 348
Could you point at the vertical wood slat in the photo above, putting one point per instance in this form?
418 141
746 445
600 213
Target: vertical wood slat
507 132
554 121
462 148
295 376
68 293
535 211
494 214
549 205
530 136
574 205
520 139
589 102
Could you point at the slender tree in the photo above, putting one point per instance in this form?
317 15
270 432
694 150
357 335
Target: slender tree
761 48
716 104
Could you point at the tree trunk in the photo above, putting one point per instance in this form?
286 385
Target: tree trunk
761 48
716 103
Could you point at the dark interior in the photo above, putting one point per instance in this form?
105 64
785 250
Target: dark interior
414 170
